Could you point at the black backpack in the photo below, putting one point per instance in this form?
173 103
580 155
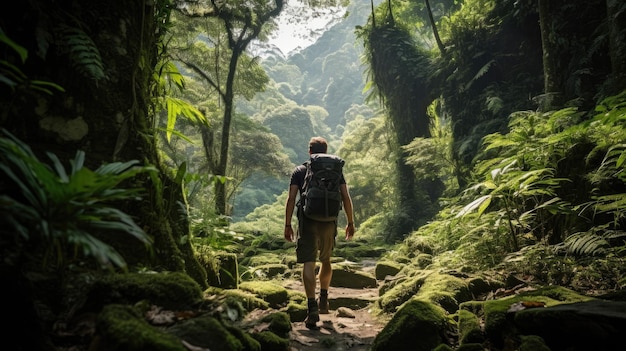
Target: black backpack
321 197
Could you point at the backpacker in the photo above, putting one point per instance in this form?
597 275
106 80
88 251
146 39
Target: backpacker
321 197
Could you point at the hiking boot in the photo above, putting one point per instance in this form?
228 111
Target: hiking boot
323 304
311 319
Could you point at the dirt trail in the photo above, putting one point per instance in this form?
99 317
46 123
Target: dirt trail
338 332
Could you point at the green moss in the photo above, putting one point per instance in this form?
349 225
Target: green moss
469 328
386 268
423 260
290 261
207 332
123 328
357 252
532 343
476 307
225 272
498 327
249 343
400 293
297 311
446 290
479 286
274 294
248 300
269 270
263 258
271 342
347 277
280 323
443 347
168 290
417 326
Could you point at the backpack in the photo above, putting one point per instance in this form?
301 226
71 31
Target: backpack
321 197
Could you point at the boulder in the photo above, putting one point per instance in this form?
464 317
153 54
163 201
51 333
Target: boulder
346 277
590 325
417 326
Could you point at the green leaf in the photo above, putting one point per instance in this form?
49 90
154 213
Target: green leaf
481 204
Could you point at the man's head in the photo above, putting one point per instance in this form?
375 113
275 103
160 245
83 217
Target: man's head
318 145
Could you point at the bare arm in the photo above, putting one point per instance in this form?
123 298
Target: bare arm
289 208
347 207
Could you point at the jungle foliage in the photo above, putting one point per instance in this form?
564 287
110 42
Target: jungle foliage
455 146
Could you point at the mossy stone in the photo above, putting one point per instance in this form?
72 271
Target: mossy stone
167 290
271 342
207 332
417 326
122 327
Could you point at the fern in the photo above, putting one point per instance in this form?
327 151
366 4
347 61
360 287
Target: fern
60 210
81 51
586 244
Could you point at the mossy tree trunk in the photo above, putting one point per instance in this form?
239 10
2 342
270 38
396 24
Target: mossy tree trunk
107 107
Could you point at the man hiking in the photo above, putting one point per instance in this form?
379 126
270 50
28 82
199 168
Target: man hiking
317 220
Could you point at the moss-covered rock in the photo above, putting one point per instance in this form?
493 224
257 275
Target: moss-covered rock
297 306
227 275
269 271
355 252
262 258
499 324
401 292
423 260
297 311
469 328
271 342
445 290
417 326
249 343
122 327
290 260
207 332
249 301
588 325
275 295
386 268
346 277
532 343
168 290
279 323
480 286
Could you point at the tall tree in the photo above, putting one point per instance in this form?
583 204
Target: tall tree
105 56
552 84
616 15
243 22
400 70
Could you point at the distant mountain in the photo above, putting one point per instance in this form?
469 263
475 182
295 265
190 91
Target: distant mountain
299 27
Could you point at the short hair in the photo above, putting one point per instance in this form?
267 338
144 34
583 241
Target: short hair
318 145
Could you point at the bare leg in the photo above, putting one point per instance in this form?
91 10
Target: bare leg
326 274
308 279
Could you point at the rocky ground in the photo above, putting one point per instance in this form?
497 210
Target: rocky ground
350 325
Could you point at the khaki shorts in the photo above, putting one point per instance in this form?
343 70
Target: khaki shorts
313 237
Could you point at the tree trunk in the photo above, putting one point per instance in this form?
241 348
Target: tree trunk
433 24
114 113
616 19
552 86
220 187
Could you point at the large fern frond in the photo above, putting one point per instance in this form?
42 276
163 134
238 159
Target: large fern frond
81 51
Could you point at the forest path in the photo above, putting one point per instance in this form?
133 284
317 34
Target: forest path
336 331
